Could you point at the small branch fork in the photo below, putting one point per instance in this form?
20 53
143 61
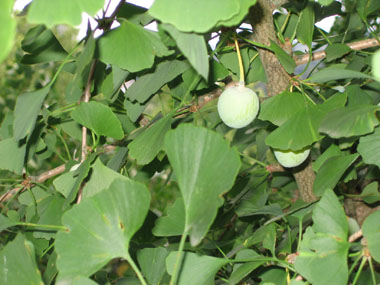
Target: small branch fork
203 100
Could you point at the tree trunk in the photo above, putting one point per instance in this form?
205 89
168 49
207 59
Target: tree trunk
261 19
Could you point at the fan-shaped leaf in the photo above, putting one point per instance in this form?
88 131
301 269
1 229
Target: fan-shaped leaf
195 269
136 53
205 167
8 28
99 118
100 228
350 121
194 16
56 12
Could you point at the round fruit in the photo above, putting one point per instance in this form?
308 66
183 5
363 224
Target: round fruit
238 106
288 158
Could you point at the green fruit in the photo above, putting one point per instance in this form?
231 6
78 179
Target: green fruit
288 158
238 106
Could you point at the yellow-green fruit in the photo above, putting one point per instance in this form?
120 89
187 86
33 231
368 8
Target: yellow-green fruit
238 106
288 158
376 65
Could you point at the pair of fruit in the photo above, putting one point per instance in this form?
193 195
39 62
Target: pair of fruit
238 106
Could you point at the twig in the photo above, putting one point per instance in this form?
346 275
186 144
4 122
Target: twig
34 179
86 98
359 45
355 236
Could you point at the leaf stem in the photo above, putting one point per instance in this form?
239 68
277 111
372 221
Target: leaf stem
59 228
178 262
241 66
136 269
364 260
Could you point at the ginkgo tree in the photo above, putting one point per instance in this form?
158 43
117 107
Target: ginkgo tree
134 174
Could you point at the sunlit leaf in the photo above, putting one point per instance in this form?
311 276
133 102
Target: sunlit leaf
8 28
56 12
238 18
182 13
135 54
205 167
100 228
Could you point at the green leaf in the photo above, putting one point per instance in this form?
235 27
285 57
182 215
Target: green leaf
329 216
239 17
205 167
331 171
370 193
99 118
56 12
80 174
135 54
50 212
150 83
152 263
330 74
333 150
195 269
28 106
241 270
18 264
299 131
278 109
146 146
322 258
285 59
12 155
305 27
194 16
113 81
369 148
350 121
41 46
371 231
100 178
335 51
324 248
173 224
6 223
8 28
100 228
193 47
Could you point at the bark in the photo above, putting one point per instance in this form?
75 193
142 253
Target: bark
261 19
